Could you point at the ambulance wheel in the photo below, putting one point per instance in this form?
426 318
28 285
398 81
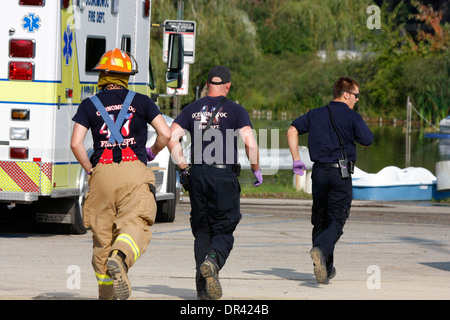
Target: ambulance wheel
166 208
77 227
59 215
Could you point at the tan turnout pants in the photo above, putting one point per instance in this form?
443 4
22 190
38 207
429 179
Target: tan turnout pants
119 209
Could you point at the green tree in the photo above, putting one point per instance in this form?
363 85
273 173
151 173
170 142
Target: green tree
271 48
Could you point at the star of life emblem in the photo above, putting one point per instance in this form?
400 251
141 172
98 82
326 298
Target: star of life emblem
31 22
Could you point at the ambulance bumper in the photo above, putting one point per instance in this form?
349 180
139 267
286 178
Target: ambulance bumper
25 197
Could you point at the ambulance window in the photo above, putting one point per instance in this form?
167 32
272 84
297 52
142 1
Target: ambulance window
95 48
126 44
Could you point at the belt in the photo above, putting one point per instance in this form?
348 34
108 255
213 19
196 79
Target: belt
325 165
218 166
236 168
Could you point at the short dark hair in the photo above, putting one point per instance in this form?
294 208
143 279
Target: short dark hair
344 84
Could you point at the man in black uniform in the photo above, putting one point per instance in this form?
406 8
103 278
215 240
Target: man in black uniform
214 190
331 183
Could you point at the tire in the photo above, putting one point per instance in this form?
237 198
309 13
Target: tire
70 207
166 208
78 225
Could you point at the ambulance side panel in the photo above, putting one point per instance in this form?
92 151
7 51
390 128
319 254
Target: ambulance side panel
41 91
21 177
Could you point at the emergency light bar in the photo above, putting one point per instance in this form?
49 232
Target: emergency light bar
19 48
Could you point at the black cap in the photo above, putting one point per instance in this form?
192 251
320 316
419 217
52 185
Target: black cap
221 72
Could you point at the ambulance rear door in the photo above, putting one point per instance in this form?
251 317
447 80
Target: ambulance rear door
28 82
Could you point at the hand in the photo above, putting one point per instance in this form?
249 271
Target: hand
258 176
150 154
298 167
185 177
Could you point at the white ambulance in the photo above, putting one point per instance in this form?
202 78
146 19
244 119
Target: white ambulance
48 50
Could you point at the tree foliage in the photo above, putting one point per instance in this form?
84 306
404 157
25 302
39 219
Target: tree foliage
271 48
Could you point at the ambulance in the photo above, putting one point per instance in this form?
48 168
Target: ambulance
48 51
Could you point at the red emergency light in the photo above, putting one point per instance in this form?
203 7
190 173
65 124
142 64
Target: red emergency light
19 48
19 70
18 153
32 2
147 8
65 4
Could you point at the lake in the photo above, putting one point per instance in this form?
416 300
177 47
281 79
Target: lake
388 149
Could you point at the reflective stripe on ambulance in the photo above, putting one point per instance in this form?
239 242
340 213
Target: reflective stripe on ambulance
34 177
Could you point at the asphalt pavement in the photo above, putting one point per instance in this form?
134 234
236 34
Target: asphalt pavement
389 251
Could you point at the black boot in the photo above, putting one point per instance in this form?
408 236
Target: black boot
210 271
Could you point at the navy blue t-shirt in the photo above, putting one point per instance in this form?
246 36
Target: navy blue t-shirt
323 142
134 130
220 141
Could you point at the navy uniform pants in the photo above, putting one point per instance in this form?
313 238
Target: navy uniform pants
332 198
215 212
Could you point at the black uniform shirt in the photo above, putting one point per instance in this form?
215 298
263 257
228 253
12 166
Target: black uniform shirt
220 141
134 130
323 142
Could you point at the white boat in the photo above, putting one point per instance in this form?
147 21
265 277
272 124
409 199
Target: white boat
395 184
444 125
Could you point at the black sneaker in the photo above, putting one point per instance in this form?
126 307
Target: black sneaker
320 268
210 271
118 272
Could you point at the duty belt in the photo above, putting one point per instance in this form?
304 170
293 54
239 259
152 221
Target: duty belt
114 128
236 168
325 165
351 165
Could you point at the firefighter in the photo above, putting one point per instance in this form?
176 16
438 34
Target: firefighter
120 206
214 124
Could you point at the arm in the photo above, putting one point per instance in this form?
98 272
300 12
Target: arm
292 139
163 134
174 146
251 147
363 134
77 146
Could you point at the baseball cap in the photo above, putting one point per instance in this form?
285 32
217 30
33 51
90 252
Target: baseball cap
220 72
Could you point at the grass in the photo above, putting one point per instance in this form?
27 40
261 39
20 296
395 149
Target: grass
273 192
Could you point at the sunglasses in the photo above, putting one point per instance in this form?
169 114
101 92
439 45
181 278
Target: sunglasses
355 94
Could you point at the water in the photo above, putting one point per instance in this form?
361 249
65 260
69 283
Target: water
388 149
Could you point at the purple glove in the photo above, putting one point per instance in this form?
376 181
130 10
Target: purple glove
258 176
150 154
298 167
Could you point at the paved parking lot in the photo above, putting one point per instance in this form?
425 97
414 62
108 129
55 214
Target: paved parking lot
388 251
